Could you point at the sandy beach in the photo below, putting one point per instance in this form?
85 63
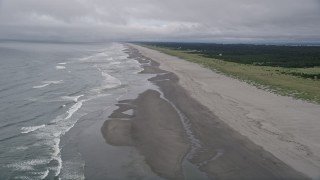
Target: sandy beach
159 90
181 135
250 132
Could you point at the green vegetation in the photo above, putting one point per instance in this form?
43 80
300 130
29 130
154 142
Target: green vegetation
302 83
262 55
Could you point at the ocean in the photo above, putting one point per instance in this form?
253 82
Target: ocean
45 90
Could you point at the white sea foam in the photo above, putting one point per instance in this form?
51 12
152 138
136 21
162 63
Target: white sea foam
47 83
73 170
21 166
21 177
115 63
74 109
40 86
98 96
88 58
28 165
94 57
147 63
101 54
58 168
21 148
72 98
110 81
56 154
57 119
49 135
56 149
25 130
123 57
53 82
60 67
128 112
42 175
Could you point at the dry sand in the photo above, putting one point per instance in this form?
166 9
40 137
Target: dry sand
287 128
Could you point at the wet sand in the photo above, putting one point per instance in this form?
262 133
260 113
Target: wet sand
180 138
155 130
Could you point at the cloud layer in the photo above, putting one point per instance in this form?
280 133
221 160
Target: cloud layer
176 20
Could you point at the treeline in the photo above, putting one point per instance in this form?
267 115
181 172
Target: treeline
262 55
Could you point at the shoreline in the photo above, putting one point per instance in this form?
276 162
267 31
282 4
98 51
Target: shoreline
297 83
180 138
283 126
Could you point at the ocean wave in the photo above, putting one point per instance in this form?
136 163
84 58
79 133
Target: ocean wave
110 81
60 67
47 83
10 137
115 63
128 112
26 130
53 82
58 168
73 169
98 96
28 165
45 142
74 109
42 175
23 121
52 133
48 136
147 63
21 148
22 177
72 98
56 154
118 57
88 58
40 86
51 138
94 57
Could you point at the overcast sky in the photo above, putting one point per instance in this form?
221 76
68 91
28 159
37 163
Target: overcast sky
175 20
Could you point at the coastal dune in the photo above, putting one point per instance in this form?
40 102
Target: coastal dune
285 127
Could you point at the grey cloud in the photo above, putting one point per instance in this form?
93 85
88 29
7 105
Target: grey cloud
188 20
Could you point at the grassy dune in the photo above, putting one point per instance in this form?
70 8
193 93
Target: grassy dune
283 81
